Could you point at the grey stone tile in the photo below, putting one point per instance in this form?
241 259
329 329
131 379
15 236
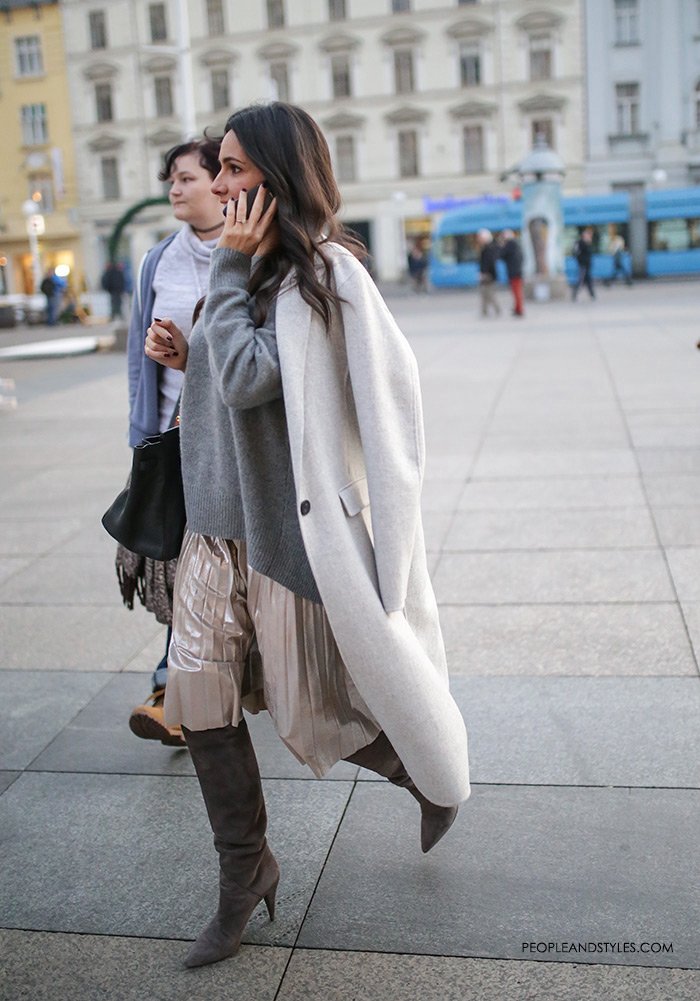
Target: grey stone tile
349 976
678 526
551 494
582 731
147 658
11 566
669 460
691 614
118 854
509 436
451 465
70 580
98 739
673 490
48 967
494 463
612 528
555 576
20 537
6 780
36 706
435 525
441 495
90 539
73 637
519 865
648 639
685 570
70 492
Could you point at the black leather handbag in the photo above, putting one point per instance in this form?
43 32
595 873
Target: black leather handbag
148 516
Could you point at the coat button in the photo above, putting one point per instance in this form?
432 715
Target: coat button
305 507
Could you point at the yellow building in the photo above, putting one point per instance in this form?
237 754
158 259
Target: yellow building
37 160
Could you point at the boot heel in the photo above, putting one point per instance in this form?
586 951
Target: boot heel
270 899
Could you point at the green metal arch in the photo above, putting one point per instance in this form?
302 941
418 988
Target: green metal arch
126 219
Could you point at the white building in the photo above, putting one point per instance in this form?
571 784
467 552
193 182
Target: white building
422 101
643 73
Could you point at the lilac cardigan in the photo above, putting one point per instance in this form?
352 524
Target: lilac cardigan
144 374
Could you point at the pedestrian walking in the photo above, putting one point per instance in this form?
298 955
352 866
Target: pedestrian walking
583 252
512 257
113 282
52 287
617 249
418 266
300 428
173 276
487 272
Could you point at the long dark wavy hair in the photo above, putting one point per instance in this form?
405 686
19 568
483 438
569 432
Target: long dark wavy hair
289 149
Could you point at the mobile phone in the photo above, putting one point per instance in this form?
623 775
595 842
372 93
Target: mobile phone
250 198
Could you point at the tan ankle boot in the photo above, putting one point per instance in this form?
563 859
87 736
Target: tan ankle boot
148 722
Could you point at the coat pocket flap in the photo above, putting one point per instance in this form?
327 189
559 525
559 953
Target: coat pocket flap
355 496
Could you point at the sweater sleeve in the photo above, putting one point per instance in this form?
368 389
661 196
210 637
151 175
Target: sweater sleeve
243 358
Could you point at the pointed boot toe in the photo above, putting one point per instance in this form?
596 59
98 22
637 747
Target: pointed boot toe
213 945
435 823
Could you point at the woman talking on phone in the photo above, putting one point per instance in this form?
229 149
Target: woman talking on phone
302 454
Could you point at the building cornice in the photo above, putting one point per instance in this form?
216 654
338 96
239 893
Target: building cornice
105 142
343 120
406 115
100 71
473 109
542 102
538 20
339 42
277 50
218 57
402 36
469 28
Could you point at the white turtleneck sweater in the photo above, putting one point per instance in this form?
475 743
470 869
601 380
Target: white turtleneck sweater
180 281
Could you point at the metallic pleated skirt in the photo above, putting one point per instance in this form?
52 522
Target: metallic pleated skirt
241 640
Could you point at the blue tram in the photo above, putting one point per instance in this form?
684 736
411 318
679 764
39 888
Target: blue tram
661 230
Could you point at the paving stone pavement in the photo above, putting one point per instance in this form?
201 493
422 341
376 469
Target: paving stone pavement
562 513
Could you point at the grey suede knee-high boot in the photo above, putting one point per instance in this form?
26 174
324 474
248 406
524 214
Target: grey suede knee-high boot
228 774
380 757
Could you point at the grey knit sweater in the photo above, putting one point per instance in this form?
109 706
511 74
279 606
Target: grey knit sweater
236 461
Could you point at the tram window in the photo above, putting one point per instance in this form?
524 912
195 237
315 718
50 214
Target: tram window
602 236
674 234
458 249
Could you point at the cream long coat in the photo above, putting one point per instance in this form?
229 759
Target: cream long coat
353 407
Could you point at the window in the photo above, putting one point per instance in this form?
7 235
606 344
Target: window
336 10
473 144
627 108
408 153
404 82
399 6
28 59
697 105
97 25
103 102
42 184
275 13
345 158
110 177
157 21
220 90
463 3
542 127
215 18
164 95
540 56
279 76
674 234
35 130
340 76
626 22
470 64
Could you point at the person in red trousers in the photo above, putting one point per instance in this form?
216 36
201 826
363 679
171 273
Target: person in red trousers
512 256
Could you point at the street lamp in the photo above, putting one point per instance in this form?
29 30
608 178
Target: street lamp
35 228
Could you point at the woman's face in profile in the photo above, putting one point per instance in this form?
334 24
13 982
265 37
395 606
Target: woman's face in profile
237 170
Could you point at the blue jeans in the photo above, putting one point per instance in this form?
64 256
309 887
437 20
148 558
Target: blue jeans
160 675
